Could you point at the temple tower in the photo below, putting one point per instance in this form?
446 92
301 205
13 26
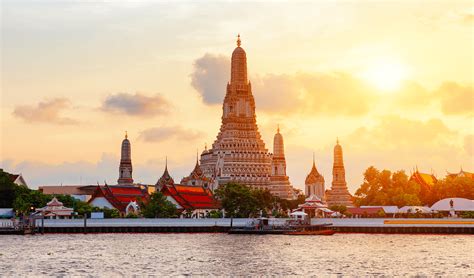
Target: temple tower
279 181
196 177
125 168
165 179
314 183
238 154
339 194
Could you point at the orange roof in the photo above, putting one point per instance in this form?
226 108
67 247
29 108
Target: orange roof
423 179
191 197
120 196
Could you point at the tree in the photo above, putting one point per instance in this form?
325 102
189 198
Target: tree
382 188
451 187
7 190
158 207
339 208
237 200
265 201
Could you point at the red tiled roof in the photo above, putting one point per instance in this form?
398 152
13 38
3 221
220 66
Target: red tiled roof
120 196
13 177
191 197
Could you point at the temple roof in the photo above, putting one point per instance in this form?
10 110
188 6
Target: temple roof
462 173
423 179
120 196
196 174
191 197
166 178
54 202
314 176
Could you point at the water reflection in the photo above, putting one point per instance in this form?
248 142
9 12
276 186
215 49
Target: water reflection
222 254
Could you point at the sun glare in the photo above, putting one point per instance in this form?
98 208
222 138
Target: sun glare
385 74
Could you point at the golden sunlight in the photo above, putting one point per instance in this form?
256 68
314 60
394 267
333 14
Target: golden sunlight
385 74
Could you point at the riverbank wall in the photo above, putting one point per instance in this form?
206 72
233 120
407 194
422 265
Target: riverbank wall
222 225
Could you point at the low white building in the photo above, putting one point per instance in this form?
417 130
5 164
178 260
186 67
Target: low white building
458 204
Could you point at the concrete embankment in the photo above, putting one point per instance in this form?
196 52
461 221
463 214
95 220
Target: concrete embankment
361 225
401 226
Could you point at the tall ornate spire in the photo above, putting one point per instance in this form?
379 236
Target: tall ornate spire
125 168
238 74
339 194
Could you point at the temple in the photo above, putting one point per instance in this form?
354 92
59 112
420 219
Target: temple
238 154
279 181
338 194
196 177
461 173
426 182
314 183
121 197
125 168
192 200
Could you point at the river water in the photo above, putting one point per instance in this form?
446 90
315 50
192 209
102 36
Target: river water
115 255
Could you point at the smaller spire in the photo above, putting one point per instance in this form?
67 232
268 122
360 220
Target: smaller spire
197 156
314 165
278 128
126 135
205 146
337 140
166 163
238 40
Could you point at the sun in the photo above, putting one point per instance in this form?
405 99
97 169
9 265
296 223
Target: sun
385 74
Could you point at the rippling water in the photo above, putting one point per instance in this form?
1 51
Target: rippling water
222 254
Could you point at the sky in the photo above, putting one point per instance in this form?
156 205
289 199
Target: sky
393 80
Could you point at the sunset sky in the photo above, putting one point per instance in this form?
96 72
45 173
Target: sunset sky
393 80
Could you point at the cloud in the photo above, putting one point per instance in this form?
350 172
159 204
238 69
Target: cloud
210 76
136 104
159 134
311 93
46 112
394 132
468 18
456 99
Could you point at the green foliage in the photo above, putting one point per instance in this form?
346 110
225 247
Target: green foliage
339 208
384 188
7 190
467 214
286 205
237 200
450 187
131 215
215 214
158 207
242 201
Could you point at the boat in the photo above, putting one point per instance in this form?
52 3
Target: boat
261 226
294 226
